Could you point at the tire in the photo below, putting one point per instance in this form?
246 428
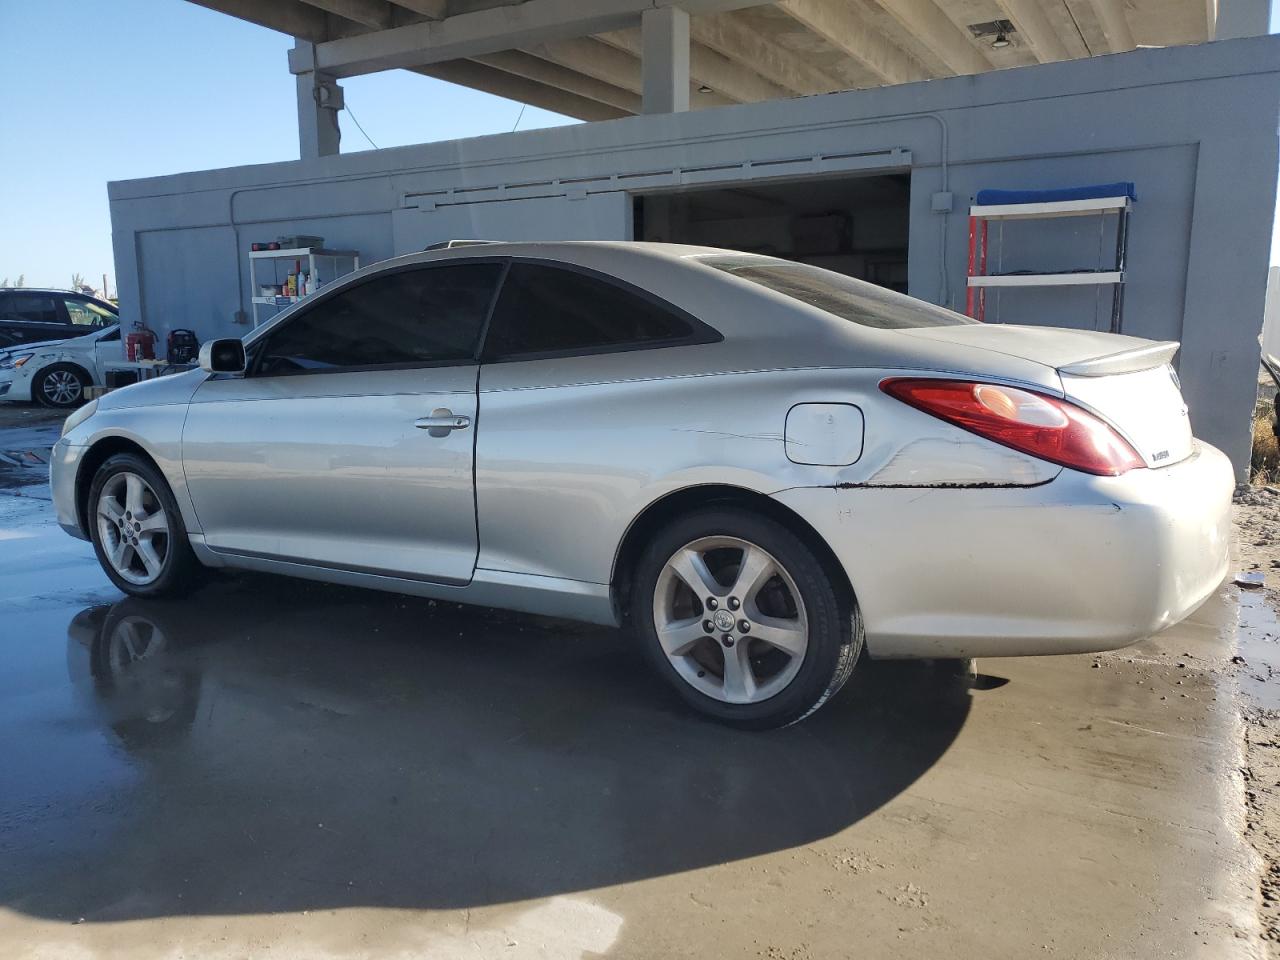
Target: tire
53 386
169 568
794 601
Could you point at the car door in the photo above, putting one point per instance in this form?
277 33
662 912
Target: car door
350 441
578 415
32 316
107 348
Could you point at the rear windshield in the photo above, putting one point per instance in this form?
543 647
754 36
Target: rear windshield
847 298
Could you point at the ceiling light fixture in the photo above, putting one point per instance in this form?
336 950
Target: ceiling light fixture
997 33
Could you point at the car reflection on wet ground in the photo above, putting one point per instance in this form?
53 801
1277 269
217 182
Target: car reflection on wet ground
325 772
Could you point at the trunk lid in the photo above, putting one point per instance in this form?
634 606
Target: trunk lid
1127 381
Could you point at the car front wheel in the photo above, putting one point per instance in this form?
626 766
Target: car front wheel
137 530
743 619
59 386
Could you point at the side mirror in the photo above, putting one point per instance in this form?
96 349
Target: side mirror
222 356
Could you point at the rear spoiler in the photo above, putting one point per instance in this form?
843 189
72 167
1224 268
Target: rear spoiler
1127 361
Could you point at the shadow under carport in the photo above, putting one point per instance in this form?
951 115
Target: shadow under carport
275 746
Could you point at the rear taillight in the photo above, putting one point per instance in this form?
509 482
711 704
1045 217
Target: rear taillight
1033 423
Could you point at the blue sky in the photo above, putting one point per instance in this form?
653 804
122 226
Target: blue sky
99 90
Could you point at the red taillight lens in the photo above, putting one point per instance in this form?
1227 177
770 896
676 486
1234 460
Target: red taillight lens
1039 425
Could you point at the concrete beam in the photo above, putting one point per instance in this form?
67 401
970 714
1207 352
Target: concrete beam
738 42
488 79
1114 25
938 32
1032 22
840 24
609 64
431 9
291 17
487 31
708 68
522 64
664 60
372 13
319 100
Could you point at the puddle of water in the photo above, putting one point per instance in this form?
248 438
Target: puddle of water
1259 643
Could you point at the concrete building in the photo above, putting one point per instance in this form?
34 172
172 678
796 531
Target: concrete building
737 140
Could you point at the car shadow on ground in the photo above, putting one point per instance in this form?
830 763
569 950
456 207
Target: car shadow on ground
277 746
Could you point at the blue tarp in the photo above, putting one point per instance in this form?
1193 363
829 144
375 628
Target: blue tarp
1095 192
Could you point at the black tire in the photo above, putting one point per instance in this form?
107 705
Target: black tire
45 386
180 571
835 636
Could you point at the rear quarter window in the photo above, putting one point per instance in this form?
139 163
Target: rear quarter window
854 300
546 311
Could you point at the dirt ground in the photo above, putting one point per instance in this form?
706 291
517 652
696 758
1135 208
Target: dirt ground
1257 521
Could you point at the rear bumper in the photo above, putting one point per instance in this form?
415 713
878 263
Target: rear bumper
1078 564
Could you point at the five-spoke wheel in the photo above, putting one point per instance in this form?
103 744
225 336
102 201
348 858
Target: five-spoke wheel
744 618
133 527
730 619
137 529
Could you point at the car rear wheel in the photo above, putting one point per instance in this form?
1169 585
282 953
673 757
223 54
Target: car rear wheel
137 530
60 386
743 619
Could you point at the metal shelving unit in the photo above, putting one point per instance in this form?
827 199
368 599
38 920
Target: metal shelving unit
322 264
982 214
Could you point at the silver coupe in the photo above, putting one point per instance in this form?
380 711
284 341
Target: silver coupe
760 467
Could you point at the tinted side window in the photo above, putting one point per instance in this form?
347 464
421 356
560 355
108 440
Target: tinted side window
432 315
551 310
32 307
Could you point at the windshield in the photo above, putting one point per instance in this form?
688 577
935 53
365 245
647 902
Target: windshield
845 297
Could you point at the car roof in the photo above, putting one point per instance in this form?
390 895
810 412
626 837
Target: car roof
568 250
61 293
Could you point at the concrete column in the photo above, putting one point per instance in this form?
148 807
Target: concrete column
664 59
1243 18
319 100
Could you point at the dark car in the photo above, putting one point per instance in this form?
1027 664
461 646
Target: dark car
30 315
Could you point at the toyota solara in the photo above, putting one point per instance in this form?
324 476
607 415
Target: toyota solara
757 466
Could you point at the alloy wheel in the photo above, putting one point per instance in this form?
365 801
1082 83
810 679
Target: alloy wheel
61 387
133 528
730 619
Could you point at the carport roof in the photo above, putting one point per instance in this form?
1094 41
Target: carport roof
582 59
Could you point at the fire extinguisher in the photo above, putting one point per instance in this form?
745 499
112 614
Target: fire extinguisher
141 345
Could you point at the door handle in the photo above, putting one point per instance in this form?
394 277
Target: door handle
441 422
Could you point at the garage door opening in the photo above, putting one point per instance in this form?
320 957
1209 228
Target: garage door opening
856 226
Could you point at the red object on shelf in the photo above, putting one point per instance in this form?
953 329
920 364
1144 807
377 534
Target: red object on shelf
975 298
140 345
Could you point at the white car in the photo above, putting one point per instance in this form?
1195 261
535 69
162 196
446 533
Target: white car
56 373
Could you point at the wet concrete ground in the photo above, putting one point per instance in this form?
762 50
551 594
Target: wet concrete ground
284 769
